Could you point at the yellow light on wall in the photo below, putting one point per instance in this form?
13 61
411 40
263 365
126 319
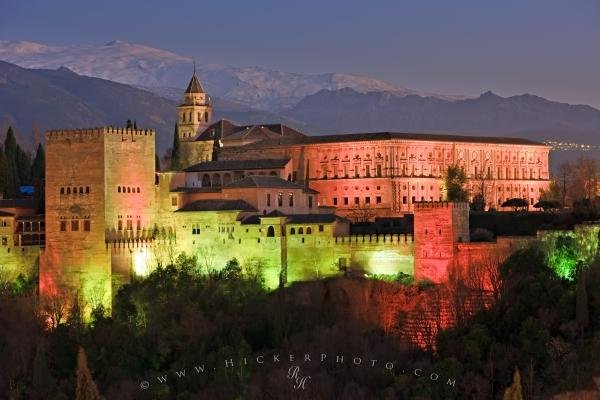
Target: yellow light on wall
141 262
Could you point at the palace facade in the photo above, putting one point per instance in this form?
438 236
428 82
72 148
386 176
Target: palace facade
279 201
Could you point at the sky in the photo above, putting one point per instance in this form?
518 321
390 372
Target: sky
546 47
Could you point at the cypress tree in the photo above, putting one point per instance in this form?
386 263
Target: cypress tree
176 152
135 124
23 166
3 171
582 313
128 125
12 177
38 173
514 391
86 387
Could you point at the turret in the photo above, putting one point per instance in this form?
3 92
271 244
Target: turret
195 111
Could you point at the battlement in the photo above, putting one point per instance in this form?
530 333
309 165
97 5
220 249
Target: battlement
90 133
375 238
421 205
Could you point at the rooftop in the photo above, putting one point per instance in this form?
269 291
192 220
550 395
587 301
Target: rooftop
194 86
267 181
228 165
359 137
227 130
17 203
217 205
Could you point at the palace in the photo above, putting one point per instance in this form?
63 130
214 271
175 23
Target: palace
279 201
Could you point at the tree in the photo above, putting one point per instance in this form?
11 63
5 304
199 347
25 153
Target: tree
128 125
3 172
11 176
455 180
478 203
38 173
362 214
548 205
176 151
582 313
514 391
86 387
584 184
516 203
563 180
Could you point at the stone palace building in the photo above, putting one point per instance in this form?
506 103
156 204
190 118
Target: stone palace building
279 201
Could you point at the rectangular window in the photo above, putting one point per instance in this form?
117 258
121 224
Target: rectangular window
63 226
367 200
356 171
378 199
345 201
379 170
4 241
280 199
368 171
74 225
291 200
310 201
86 225
356 200
321 228
129 225
403 199
412 199
120 225
174 201
335 201
268 199
139 224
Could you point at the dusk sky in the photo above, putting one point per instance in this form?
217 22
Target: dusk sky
547 47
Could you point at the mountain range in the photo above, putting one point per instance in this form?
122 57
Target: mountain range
77 86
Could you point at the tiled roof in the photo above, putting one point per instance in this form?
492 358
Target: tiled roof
17 203
314 218
228 165
5 214
209 189
227 130
357 137
266 181
217 205
194 86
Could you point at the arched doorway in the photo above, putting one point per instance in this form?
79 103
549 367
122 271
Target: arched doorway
270 232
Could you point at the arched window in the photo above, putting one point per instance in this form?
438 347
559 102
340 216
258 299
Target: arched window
206 180
138 189
68 190
300 231
119 189
199 117
226 179
128 189
293 231
206 116
62 190
87 190
271 232
80 189
309 230
216 180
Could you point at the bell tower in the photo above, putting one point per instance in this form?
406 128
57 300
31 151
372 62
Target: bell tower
195 112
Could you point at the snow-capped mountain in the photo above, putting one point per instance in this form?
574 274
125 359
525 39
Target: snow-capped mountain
139 65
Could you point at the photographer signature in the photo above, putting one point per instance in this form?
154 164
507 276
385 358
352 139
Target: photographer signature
299 380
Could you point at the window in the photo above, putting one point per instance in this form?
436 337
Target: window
356 200
268 199
368 171
4 241
310 201
335 201
129 225
62 190
199 116
68 190
345 201
403 199
271 232
75 225
379 170
378 199
120 225
293 231
80 189
63 226
300 231
206 116
87 225
138 189
309 231
367 200
174 201
321 228
280 199
291 199
128 189
356 171
87 190
412 199
138 225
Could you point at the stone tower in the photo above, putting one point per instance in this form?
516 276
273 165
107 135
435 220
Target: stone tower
438 227
99 191
195 112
